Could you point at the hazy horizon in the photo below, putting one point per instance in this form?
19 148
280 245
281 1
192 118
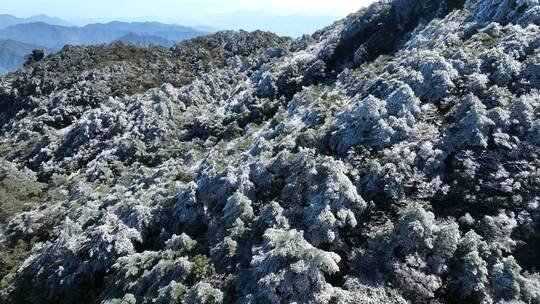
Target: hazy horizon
293 25
189 12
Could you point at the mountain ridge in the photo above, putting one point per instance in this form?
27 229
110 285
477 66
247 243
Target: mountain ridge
9 20
56 36
144 40
294 25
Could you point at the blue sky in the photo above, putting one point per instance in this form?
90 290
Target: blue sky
174 9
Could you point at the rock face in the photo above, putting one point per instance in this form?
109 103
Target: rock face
389 158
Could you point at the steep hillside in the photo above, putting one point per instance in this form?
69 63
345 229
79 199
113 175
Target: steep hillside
389 158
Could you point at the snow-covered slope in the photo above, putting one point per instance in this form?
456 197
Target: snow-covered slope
389 158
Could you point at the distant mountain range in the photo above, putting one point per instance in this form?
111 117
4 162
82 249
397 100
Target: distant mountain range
294 25
56 36
12 54
9 20
18 36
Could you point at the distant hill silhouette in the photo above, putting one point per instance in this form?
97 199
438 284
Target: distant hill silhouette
18 36
143 40
12 54
56 36
286 25
9 20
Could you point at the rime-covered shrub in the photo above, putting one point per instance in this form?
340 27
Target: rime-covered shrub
186 210
359 125
357 291
522 112
468 270
497 230
331 202
438 78
506 279
286 267
63 256
204 293
377 123
415 252
472 125
532 70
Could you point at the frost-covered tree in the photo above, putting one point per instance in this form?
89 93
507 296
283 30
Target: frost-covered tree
498 232
415 252
506 279
472 124
469 272
329 202
287 268
438 77
204 293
